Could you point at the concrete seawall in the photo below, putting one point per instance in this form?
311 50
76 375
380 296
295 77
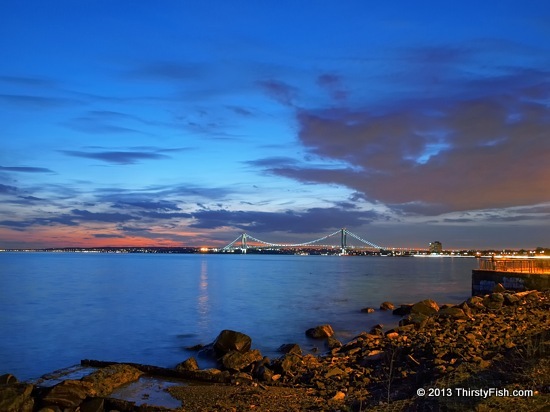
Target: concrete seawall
484 281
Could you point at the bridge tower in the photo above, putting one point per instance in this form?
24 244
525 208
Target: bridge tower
244 246
343 240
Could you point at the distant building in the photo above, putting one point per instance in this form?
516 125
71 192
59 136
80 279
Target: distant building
436 247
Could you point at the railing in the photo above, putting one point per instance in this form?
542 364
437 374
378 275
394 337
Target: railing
516 265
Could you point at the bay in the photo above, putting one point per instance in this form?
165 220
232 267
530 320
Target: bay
59 308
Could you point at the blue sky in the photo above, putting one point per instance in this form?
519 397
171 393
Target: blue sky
187 122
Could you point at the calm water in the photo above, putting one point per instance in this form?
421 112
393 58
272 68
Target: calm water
59 308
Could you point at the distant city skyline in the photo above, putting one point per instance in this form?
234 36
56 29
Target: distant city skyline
138 123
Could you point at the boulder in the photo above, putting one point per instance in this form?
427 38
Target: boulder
333 343
510 300
476 303
417 319
367 310
16 397
425 307
493 301
290 348
452 312
403 310
188 365
7 378
499 288
320 332
236 360
387 306
230 340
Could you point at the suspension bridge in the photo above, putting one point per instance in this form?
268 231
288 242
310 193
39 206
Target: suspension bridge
245 241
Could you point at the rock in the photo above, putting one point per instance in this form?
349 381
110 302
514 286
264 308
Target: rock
320 332
392 335
452 312
493 301
368 310
387 306
229 340
417 319
425 307
106 380
466 309
236 360
340 396
510 300
289 361
403 310
333 343
475 303
69 393
291 348
7 378
374 356
376 329
16 397
188 365
334 371
211 375
93 405
499 288
264 373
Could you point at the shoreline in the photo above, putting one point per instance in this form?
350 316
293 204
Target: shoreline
494 341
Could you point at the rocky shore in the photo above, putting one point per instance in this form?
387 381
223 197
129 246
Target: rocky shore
452 352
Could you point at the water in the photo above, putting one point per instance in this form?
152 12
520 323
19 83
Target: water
59 308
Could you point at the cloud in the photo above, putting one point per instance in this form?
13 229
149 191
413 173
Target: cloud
436 155
117 157
25 169
143 203
87 216
36 102
312 220
279 91
333 85
7 190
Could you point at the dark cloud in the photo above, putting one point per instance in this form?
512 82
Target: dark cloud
313 220
435 155
154 205
333 85
241 111
273 162
87 216
13 224
25 169
117 157
165 215
7 190
279 91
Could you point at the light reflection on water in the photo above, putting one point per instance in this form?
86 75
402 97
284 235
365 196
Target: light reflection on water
59 308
